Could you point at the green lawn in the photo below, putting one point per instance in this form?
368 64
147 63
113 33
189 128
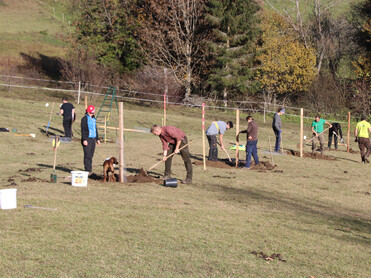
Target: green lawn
30 26
315 213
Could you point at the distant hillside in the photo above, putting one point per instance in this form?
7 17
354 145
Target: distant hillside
28 26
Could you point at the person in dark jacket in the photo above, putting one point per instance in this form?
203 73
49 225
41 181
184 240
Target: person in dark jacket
276 125
89 137
335 131
68 113
252 141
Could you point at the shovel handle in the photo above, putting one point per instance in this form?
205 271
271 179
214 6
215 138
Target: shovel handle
316 136
167 157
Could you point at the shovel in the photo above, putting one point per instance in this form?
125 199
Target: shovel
53 176
170 155
310 140
50 118
229 158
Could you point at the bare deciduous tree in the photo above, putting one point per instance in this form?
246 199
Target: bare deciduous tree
171 35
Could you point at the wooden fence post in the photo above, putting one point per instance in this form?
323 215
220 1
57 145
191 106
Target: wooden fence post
203 136
301 131
121 142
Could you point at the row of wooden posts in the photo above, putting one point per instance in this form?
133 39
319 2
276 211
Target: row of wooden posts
122 129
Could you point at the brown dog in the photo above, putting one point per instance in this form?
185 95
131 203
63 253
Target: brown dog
108 166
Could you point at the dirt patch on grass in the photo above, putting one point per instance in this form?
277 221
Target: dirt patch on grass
270 258
311 155
31 170
364 193
33 179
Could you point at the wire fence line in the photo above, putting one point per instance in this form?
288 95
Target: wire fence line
255 107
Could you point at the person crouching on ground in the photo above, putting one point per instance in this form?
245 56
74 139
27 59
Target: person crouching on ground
276 125
363 137
173 139
252 141
217 127
317 129
335 131
89 137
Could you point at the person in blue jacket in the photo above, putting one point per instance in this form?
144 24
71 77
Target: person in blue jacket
89 137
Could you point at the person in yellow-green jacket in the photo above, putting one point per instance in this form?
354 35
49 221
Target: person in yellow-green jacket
362 134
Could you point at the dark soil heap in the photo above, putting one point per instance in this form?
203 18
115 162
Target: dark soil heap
140 177
311 155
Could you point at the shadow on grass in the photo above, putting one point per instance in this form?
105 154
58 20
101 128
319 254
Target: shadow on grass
335 217
59 168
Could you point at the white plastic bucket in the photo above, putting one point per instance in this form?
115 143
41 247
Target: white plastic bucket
79 178
8 198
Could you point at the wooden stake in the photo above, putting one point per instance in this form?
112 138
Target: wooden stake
166 91
264 111
348 139
105 129
164 110
301 131
79 93
203 136
237 139
121 142
86 102
270 148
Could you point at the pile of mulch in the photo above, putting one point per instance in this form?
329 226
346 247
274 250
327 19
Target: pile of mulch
226 164
311 155
271 258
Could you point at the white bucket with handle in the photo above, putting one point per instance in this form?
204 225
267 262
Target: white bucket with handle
79 178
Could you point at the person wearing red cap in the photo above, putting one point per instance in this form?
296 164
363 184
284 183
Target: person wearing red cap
89 137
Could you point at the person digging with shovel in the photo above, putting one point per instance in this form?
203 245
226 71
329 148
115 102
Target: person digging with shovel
217 127
317 129
173 139
89 137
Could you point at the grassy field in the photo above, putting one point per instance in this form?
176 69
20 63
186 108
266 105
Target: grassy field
31 26
315 213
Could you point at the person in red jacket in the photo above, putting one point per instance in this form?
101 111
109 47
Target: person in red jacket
173 139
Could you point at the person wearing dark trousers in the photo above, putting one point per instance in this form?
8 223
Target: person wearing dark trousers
68 112
89 137
217 127
335 131
173 139
362 134
252 142
276 125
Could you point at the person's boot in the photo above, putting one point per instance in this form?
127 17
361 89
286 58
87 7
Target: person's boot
187 181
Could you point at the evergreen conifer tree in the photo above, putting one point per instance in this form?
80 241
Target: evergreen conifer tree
235 28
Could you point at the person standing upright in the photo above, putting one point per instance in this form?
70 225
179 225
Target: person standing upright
174 140
317 129
217 127
276 125
362 134
89 137
68 113
252 141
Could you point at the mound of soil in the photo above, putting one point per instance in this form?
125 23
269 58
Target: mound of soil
225 164
311 155
140 177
